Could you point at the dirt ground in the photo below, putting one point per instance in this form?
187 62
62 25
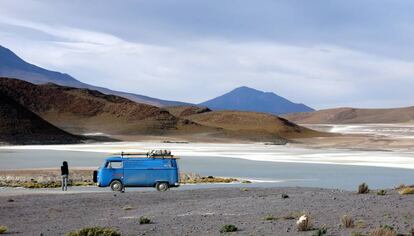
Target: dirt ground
205 211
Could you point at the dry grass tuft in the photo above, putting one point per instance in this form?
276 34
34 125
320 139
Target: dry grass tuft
406 190
94 231
363 188
360 224
3 229
383 232
382 192
347 221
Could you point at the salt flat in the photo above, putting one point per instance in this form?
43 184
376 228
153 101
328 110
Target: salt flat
254 151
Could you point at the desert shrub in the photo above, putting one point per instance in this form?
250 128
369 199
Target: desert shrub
228 228
144 220
411 233
304 223
406 190
320 232
94 231
383 232
269 217
246 182
363 188
382 192
347 221
3 229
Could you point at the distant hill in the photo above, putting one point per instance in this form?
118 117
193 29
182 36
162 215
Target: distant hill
13 66
248 99
18 125
84 111
353 115
257 126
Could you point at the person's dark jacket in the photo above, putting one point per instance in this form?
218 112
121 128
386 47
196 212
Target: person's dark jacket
64 169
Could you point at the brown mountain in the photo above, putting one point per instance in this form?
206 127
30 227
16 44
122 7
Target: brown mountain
353 115
257 126
18 125
83 111
88 111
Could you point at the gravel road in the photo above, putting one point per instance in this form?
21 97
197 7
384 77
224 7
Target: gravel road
204 211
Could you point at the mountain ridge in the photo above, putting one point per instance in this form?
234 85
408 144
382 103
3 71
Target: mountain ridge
12 66
249 99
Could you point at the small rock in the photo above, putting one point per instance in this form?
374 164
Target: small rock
284 196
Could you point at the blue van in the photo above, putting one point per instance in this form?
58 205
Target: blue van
157 169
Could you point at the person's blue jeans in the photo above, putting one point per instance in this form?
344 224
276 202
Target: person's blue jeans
65 182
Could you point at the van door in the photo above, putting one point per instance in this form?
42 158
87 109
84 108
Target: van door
115 170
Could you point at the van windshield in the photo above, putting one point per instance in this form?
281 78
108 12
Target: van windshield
114 164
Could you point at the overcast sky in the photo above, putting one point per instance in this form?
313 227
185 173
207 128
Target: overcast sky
323 53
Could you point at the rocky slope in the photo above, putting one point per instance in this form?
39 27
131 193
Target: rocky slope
84 111
257 126
19 125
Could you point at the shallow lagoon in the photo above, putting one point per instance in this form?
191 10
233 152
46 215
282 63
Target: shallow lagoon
287 166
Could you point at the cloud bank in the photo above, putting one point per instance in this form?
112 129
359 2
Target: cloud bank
324 54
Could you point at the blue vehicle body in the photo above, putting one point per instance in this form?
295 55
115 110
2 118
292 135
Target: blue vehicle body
138 172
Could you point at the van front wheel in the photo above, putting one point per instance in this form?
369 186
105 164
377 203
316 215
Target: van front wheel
162 187
116 185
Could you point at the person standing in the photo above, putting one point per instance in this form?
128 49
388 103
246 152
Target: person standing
65 175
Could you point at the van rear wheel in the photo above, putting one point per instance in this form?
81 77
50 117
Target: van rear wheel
116 185
162 187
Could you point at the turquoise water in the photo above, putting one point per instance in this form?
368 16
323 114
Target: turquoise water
266 173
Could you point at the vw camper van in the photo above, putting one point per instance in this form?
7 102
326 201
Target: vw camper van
157 169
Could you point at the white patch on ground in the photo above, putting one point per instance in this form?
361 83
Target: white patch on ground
255 152
96 134
397 131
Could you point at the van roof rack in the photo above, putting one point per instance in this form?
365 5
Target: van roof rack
151 154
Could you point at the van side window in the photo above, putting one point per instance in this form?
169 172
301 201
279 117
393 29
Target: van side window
114 164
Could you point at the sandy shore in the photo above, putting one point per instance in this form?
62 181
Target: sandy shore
203 212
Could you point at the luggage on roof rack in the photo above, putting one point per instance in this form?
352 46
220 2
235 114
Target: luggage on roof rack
150 154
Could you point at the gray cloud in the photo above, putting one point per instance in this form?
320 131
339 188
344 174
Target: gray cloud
322 53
